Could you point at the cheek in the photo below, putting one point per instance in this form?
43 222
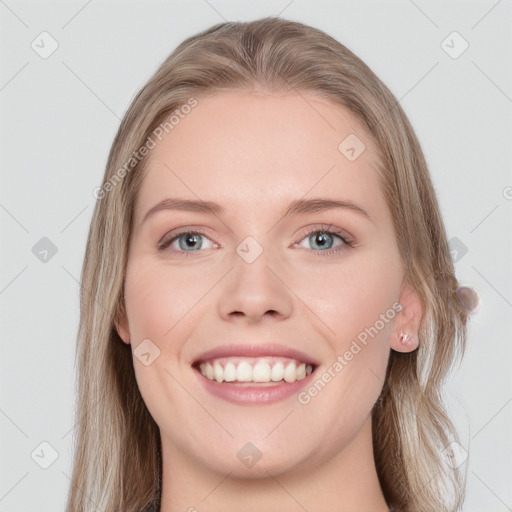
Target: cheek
354 298
355 302
157 299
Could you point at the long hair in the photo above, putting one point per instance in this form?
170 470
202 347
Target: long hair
117 463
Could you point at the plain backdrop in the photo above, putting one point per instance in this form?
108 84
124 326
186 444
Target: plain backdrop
59 115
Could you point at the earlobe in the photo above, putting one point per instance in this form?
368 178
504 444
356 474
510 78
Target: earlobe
121 324
405 334
123 332
407 342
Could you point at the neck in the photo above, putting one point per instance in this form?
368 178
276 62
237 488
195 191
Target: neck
344 482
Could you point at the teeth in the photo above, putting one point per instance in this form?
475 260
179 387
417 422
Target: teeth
230 372
255 370
244 372
277 373
261 372
290 373
218 372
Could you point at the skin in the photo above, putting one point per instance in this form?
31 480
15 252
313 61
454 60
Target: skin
254 153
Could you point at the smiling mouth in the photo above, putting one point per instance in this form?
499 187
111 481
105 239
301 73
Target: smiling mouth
254 370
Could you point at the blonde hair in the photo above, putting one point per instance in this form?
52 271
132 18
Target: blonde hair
117 463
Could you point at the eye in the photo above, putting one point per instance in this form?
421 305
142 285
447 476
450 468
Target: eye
324 238
185 241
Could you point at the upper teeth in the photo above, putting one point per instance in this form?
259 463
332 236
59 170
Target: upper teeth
255 370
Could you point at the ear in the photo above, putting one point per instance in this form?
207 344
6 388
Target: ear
121 323
405 334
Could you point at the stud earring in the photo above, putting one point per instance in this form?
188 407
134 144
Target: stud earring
405 339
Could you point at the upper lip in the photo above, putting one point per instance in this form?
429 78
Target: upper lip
255 350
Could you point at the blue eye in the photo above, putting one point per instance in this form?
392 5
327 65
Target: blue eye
188 241
324 239
321 239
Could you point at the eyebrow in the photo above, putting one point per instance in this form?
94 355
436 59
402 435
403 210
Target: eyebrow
296 207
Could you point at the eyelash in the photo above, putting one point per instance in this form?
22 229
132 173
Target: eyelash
330 230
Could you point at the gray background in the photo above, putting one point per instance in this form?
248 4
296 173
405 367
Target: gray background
58 118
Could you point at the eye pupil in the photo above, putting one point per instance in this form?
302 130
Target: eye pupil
189 239
321 239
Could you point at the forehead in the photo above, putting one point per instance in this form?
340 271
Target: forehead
247 149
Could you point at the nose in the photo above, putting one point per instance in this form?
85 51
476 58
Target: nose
255 291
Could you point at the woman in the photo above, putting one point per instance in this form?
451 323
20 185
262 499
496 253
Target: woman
268 306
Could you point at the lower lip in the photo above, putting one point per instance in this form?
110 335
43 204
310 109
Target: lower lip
264 393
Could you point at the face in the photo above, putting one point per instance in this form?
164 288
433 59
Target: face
295 309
